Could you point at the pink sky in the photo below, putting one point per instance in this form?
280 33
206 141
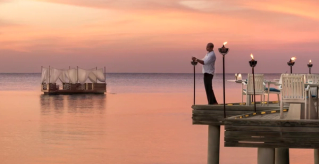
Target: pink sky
157 36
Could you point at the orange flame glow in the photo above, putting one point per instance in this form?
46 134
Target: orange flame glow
293 59
225 43
252 56
310 61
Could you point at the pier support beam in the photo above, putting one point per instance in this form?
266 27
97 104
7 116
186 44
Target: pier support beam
213 144
316 155
266 156
282 156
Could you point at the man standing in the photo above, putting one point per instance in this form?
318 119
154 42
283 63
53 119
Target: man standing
208 63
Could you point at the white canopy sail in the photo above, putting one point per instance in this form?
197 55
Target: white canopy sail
54 75
82 75
45 75
72 73
92 77
51 75
64 76
97 74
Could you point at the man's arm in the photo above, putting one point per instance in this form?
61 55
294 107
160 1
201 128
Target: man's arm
198 60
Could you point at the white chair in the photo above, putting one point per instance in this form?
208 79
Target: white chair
280 80
248 88
278 89
312 79
269 90
293 90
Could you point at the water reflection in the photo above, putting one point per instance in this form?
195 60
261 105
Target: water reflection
60 104
72 120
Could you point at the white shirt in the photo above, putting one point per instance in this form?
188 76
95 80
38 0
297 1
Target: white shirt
209 63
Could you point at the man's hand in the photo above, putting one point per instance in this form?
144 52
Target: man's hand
194 58
198 60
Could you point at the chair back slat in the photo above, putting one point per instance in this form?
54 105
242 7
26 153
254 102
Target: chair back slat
259 84
293 87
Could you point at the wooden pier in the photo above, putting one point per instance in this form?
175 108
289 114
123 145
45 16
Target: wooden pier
262 129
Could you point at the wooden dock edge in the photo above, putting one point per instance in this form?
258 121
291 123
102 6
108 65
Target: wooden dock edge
214 114
271 133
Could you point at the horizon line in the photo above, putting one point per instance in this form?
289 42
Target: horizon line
153 73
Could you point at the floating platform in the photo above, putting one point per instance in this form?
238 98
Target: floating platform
74 81
67 88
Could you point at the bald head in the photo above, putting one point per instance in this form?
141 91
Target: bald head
210 47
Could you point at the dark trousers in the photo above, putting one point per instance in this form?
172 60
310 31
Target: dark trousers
208 82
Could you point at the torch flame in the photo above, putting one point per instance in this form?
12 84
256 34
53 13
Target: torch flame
252 56
310 61
225 43
293 59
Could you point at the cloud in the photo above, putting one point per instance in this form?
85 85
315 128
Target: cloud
213 6
7 24
307 8
3 23
121 4
200 5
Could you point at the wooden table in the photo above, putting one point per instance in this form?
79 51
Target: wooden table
275 81
241 82
236 81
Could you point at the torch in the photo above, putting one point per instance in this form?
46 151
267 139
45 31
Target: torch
194 63
252 64
291 63
309 66
223 50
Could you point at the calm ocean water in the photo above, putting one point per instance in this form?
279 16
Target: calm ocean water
142 119
130 82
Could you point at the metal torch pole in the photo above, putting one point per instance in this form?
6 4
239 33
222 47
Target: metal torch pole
309 70
49 75
290 69
224 85
69 79
254 89
194 84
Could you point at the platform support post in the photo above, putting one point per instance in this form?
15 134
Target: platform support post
316 155
266 156
282 156
213 144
